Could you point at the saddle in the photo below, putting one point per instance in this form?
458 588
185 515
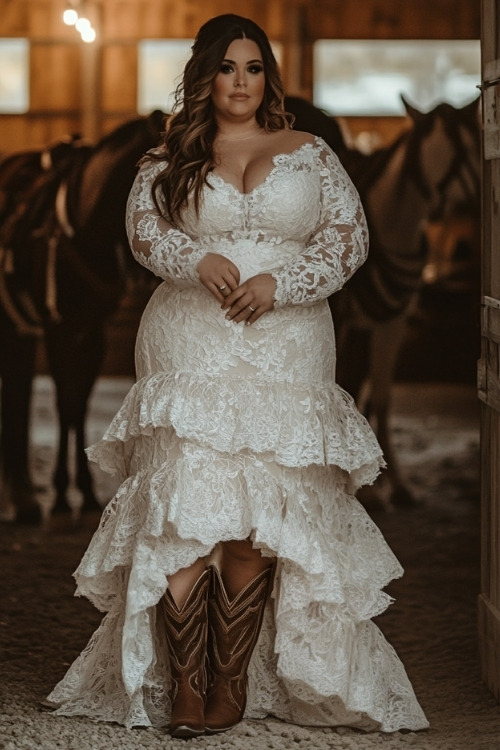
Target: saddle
28 215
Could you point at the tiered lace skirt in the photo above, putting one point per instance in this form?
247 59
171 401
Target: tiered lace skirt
206 455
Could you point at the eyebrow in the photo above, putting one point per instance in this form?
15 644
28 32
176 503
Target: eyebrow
233 62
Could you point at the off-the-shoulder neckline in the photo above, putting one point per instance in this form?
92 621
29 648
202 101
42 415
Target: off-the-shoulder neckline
276 160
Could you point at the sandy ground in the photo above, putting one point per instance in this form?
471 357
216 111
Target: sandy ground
432 625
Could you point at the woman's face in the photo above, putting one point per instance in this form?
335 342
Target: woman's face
239 86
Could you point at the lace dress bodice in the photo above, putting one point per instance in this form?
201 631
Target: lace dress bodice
304 224
270 386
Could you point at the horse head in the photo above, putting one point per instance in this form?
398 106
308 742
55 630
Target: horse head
443 156
431 170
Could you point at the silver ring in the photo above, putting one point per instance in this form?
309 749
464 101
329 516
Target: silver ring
221 288
251 308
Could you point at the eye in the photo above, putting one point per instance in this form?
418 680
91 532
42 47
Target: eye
226 68
255 69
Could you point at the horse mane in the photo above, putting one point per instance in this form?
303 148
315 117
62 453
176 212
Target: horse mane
105 178
120 136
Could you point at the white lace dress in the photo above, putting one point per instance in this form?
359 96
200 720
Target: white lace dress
235 431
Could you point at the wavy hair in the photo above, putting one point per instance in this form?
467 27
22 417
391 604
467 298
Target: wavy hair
188 142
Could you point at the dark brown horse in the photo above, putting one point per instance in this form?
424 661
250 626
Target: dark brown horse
69 260
429 172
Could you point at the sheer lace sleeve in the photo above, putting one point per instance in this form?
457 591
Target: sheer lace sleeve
338 246
167 252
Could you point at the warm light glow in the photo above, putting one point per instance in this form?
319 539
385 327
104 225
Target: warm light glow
83 24
88 35
70 17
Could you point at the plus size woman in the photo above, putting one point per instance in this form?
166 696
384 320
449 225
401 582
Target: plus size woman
238 572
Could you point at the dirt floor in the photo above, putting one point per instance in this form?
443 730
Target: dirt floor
432 625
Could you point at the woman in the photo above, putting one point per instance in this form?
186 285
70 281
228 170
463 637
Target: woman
235 538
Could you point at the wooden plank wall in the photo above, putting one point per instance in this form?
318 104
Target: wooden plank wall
489 364
59 60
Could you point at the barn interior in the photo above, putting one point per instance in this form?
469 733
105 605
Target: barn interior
352 61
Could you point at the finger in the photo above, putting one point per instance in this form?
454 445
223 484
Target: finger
232 279
240 310
216 291
227 288
228 283
221 289
254 315
248 315
232 276
235 298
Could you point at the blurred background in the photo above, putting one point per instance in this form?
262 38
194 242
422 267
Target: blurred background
87 66
84 89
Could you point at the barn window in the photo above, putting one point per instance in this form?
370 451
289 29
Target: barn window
358 77
14 76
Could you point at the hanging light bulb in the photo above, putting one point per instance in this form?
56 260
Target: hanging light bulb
83 24
70 17
88 34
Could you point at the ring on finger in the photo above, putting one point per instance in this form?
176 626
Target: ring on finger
221 288
251 308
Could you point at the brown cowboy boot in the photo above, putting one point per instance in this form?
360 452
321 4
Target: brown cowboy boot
186 631
233 631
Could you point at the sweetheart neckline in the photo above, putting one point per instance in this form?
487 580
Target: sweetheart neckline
275 166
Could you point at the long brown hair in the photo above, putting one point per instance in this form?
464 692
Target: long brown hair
191 130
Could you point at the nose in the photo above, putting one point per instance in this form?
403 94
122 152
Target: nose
240 80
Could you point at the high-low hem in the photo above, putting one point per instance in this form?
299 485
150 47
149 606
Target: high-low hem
319 659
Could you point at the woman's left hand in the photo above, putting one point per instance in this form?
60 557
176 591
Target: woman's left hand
251 300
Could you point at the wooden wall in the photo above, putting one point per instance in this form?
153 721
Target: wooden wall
90 89
489 364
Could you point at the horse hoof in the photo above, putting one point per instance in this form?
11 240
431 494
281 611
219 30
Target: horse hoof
30 515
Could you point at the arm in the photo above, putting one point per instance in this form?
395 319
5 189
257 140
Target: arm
167 252
338 246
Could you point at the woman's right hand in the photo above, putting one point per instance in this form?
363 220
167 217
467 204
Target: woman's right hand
218 274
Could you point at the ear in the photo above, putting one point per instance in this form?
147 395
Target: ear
411 111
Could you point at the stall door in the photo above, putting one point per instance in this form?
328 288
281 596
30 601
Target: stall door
489 365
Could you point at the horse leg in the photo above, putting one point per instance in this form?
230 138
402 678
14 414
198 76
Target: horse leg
75 357
386 342
352 359
60 477
17 367
83 474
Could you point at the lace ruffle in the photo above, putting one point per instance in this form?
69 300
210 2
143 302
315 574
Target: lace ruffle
318 661
279 421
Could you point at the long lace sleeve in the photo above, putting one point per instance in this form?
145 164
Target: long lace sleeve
167 252
338 246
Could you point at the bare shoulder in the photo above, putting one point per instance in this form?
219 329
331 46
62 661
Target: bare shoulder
286 141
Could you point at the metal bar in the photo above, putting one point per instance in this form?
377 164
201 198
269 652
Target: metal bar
488 84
